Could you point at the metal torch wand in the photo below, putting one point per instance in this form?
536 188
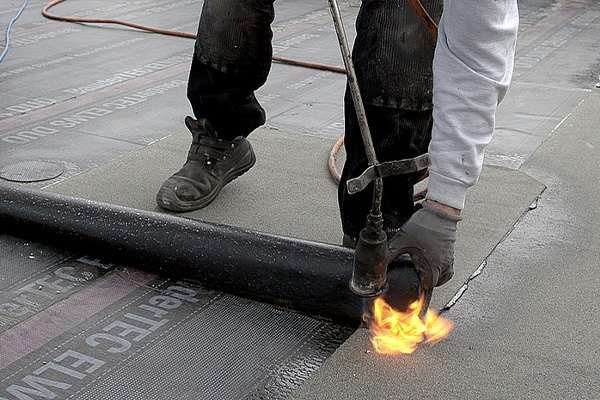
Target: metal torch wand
370 259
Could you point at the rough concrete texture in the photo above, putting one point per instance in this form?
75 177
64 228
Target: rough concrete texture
288 187
526 327
290 192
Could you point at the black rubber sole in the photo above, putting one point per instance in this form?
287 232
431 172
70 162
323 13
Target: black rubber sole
167 199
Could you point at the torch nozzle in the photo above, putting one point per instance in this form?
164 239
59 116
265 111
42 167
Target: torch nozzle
370 259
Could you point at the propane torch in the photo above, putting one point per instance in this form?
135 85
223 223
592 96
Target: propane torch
371 254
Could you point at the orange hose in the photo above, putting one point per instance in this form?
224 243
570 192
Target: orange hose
424 17
333 158
415 4
47 14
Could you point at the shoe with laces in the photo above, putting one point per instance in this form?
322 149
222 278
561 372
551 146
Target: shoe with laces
211 164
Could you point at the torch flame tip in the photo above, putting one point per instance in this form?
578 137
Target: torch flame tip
394 332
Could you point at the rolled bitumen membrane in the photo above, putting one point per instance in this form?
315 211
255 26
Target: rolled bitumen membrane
307 277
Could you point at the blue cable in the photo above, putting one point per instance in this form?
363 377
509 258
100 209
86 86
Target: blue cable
8 30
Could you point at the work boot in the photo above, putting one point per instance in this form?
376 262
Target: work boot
211 164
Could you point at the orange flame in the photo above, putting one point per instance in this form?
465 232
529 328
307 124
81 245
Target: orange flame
394 332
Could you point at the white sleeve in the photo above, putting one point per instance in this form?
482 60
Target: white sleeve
472 70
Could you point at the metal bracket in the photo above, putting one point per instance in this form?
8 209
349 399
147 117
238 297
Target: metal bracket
388 168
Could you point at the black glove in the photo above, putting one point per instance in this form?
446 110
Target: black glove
428 237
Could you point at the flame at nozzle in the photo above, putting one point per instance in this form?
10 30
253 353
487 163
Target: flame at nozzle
395 332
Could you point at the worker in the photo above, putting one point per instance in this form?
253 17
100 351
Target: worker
419 95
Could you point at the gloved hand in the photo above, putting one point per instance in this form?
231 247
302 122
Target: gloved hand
428 237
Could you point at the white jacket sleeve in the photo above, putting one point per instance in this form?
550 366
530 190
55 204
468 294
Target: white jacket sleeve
472 70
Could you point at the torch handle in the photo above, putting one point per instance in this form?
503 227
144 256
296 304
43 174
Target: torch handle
357 100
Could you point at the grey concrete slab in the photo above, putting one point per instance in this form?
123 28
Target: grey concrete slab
555 67
300 86
524 120
310 37
527 325
97 151
76 79
96 127
308 101
500 198
567 38
290 192
8 13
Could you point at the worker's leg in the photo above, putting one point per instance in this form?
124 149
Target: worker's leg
231 60
393 55
397 134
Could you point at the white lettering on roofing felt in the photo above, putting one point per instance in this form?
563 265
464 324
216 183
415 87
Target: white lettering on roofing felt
73 369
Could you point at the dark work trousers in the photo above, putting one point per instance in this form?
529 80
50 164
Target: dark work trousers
393 55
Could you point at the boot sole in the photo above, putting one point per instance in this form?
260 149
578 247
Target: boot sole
168 200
